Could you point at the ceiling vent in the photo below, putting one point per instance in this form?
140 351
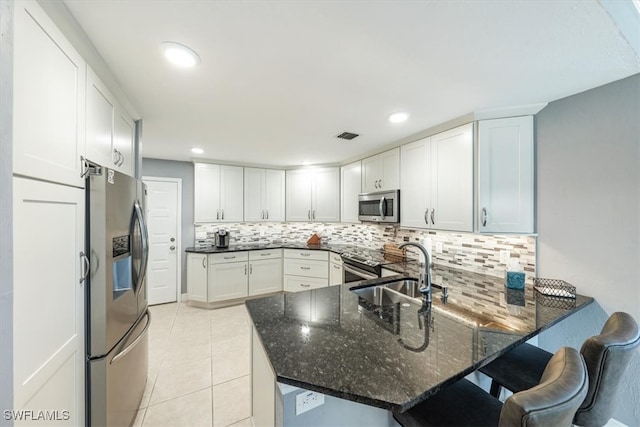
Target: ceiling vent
347 135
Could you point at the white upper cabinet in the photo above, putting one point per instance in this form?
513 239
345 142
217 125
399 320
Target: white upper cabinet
506 175
110 131
218 193
351 186
437 181
263 194
313 195
381 172
49 99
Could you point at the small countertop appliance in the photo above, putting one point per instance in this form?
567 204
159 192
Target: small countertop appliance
222 238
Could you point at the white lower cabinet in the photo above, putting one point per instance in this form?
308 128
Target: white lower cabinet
335 269
197 265
265 271
48 299
228 276
305 269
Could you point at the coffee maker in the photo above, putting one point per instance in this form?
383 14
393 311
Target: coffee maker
222 238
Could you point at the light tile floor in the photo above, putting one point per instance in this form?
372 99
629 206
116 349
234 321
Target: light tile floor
199 368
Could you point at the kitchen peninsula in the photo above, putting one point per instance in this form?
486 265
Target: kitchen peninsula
386 355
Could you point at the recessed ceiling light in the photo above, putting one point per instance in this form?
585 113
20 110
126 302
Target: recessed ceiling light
398 117
179 54
306 163
197 150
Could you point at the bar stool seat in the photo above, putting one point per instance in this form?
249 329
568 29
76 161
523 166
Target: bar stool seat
517 370
554 401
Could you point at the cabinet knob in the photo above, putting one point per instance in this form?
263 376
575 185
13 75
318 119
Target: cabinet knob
173 248
172 239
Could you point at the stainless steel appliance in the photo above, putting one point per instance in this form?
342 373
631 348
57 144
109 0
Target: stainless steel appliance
381 206
116 297
362 264
222 238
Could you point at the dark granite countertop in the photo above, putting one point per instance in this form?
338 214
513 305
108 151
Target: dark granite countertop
333 247
331 341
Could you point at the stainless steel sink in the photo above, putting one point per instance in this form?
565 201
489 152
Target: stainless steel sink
378 295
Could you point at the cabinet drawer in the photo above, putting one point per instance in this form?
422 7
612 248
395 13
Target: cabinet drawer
265 254
228 257
306 268
299 283
334 257
306 254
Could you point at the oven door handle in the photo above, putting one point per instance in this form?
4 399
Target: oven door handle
358 272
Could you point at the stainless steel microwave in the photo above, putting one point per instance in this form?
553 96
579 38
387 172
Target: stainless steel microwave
381 206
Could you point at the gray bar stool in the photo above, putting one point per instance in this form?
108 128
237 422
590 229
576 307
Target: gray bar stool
553 402
606 355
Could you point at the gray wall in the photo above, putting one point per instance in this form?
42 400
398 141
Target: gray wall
183 170
588 212
6 209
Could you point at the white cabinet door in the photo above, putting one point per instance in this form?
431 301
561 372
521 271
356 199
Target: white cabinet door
254 194
298 198
124 141
49 79
264 192
506 175
326 195
100 118
197 277
231 194
335 273
452 179
415 194
274 195
48 299
265 276
206 193
351 186
381 172
227 281
437 181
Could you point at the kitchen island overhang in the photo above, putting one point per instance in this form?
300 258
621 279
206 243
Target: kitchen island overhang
332 341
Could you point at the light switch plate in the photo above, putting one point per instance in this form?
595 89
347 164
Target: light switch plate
504 256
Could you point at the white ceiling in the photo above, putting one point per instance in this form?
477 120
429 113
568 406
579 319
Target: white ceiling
280 79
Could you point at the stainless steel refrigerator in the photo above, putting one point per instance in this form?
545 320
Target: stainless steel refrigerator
116 297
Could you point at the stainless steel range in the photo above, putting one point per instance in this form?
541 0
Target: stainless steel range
362 264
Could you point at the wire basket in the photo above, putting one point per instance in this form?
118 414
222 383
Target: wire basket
554 293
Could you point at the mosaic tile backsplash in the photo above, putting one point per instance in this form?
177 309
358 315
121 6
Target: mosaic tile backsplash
478 253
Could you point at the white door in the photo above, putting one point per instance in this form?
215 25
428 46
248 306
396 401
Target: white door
163 213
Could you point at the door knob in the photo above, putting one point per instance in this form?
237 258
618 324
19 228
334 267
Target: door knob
172 239
173 248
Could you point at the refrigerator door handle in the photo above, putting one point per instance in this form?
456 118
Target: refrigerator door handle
131 346
144 237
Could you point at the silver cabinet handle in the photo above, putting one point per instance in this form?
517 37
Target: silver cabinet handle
84 271
433 211
305 268
304 254
245 269
267 213
204 262
426 217
230 257
380 184
173 248
121 161
267 254
218 214
222 213
484 217
313 214
250 268
337 267
304 285
309 214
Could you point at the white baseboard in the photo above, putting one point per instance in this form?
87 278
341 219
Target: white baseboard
184 297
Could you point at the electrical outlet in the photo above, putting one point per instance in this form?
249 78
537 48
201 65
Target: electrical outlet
504 256
307 401
262 233
439 247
